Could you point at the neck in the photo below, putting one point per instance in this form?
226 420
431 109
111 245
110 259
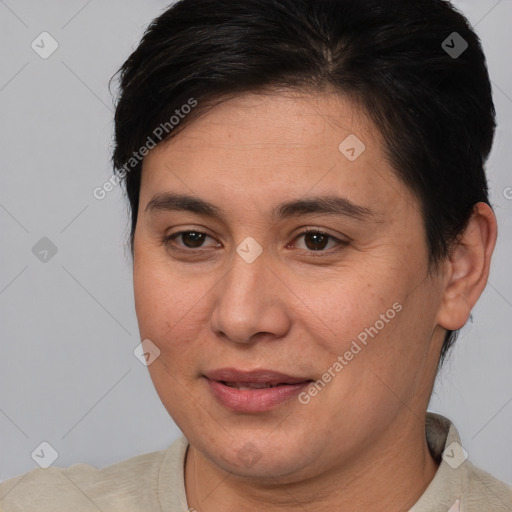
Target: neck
392 474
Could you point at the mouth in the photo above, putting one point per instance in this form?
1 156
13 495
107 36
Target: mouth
253 391
253 385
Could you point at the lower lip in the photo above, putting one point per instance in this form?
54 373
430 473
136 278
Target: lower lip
254 400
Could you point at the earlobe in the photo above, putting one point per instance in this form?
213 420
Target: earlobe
467 268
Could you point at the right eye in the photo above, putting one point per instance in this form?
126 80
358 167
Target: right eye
191 240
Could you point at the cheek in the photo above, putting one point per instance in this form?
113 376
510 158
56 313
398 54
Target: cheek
169 304
152 298
349 305
390 371
376 326
167 309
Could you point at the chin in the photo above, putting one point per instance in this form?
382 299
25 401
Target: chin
250 455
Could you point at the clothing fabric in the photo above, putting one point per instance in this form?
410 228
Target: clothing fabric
154 482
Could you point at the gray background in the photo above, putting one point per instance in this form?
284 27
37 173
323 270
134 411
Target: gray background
68 325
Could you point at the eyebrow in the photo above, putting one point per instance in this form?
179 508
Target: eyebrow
330 204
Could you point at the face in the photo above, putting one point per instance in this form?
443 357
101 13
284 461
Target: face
340 321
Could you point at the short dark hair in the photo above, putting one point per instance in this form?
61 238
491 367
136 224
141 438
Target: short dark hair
399 60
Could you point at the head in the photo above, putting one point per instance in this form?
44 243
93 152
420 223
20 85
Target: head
272 117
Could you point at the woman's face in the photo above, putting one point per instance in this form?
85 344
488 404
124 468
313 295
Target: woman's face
343 323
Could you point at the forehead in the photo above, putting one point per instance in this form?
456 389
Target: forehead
261 147
287 120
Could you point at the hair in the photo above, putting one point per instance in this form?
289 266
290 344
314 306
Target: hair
391 58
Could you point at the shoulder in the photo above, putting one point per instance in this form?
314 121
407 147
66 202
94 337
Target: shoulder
458 485
124 486
483 491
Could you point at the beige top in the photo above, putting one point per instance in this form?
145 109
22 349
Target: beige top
154 482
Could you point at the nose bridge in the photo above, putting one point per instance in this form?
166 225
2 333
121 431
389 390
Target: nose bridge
248 267
247 303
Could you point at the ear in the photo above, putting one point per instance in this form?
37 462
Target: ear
467 268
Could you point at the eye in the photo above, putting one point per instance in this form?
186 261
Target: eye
317 240
190 239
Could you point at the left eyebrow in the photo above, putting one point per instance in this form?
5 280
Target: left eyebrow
331 205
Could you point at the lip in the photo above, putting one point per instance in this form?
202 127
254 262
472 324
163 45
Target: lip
253 400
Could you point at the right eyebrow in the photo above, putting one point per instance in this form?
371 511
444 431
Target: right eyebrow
181 202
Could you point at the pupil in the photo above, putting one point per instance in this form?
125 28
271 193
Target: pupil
196 238
316 236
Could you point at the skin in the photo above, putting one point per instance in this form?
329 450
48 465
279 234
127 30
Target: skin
360 443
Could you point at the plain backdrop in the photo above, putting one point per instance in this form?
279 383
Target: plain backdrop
67 320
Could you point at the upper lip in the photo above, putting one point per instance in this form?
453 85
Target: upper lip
253 376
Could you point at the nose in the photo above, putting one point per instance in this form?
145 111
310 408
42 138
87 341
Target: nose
251 302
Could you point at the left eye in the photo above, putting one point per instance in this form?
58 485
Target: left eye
315 240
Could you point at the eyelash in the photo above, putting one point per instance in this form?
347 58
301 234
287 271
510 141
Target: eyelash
340 244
